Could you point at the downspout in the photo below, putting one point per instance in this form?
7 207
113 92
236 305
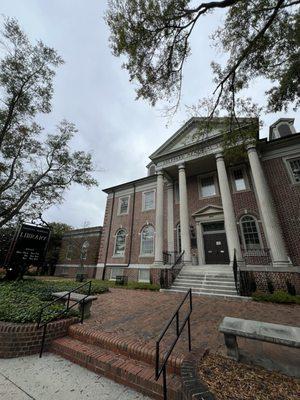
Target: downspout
108 237
132 221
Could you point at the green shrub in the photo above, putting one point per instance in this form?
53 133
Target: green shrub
22 301
279 296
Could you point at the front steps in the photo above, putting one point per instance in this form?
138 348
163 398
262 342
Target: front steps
209 280
116 358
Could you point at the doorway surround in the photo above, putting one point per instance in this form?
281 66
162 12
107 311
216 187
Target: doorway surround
207 214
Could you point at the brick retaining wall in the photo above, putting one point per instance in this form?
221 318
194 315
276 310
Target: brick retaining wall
17 340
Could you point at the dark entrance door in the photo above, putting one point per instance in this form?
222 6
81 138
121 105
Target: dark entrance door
215 244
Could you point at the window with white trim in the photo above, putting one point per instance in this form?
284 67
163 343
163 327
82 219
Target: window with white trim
123 205
294 166
120 240
208 186
70 252
144 275
250 232
84 250
149 200
147 241
239 179
116 271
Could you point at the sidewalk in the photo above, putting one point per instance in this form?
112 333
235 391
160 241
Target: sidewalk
52 377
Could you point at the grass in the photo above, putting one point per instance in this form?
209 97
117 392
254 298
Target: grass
279 296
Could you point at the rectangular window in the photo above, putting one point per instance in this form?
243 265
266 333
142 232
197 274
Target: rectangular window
208 186
149 200
123 205
144 275
69 253
116 271
295 169
239 179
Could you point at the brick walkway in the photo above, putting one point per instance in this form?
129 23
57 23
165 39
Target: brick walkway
143 314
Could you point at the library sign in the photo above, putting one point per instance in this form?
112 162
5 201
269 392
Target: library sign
30 244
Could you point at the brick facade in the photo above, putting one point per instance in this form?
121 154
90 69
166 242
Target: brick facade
285 195
71 250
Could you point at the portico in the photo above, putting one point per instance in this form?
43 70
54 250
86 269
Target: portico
216 223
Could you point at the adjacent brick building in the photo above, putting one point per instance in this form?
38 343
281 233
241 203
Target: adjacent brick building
79 246
199 199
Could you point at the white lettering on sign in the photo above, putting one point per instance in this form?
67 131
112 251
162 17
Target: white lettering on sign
218 243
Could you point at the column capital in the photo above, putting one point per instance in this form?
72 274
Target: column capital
219 156
170 185
181 165
159 171
251 146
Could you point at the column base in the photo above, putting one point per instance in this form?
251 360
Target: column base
282 264
158 263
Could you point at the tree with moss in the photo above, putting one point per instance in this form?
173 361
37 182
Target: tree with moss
36 168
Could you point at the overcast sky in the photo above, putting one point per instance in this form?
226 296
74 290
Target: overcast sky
93 91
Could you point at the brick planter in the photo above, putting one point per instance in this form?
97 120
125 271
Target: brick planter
192 386
17 340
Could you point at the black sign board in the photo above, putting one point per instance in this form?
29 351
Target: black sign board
29 245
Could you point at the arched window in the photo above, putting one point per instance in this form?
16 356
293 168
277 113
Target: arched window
250 232
147 241
84 250
120 239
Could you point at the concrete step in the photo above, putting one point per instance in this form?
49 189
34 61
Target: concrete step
203 285
205 289
122 369
207 276
202 293
206 282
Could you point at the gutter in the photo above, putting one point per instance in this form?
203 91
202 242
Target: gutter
108 237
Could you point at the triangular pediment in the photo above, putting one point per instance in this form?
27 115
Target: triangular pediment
208 210
198 131
189 134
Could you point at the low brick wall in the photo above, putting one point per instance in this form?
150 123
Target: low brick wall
17 340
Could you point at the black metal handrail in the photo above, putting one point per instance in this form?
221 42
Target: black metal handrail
167 257
161 368
235 272
68 307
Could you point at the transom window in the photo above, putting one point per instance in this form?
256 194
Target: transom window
208 186
147 241
239 179
120 242
250 232
123 205
295 169
149 200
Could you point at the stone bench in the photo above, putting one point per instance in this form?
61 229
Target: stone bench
274 333
85 302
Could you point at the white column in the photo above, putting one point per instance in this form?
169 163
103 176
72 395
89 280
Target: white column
159 219
184 216
229 216
267 209
170 217
200 243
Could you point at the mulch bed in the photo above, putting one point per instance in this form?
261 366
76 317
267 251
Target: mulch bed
229 380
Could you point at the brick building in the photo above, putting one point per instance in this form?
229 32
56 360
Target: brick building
79 245
197 200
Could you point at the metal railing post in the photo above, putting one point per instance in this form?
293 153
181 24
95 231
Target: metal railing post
177 324
165 382
43 340
189 333
157 360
